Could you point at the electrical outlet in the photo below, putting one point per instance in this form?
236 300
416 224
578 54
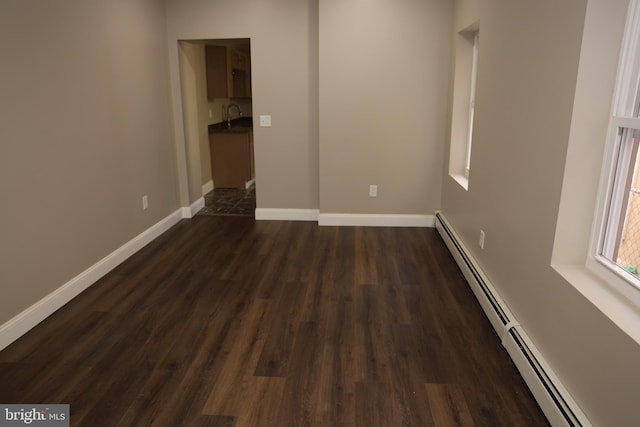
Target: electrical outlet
481 239
265 121
373 191
145 202
210 113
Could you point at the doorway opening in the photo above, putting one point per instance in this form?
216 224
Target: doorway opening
215 77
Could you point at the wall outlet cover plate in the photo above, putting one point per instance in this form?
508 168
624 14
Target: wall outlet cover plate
265 121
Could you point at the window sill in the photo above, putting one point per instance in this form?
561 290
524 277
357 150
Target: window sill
461 179
620 309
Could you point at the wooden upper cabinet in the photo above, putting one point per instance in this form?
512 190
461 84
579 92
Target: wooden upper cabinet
228 73
238 60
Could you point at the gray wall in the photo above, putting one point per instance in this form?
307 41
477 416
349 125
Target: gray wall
527 75
284 62
379 118
85 134
384 73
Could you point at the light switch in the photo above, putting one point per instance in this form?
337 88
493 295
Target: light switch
265 121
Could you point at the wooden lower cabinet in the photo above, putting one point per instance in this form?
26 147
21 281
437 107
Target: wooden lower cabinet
231 159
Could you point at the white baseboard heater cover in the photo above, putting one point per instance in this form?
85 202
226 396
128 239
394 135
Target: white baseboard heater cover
554 400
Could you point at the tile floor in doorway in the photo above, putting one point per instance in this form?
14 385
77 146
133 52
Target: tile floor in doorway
230 202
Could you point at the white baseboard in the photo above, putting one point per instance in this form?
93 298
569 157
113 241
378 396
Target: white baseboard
372 220
375 220
29 318
195 207
286 214
206 187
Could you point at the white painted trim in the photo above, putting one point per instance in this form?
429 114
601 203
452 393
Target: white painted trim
207 187
461 179
185 212
625 96
375 220
193 209
29 318
286 214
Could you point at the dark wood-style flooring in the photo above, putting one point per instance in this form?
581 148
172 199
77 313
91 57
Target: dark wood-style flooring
224 321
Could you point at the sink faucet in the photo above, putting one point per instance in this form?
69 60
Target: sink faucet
229 113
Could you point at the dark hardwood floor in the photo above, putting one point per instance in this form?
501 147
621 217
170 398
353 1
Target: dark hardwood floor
224 321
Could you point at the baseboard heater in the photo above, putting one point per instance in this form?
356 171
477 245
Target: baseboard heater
554 400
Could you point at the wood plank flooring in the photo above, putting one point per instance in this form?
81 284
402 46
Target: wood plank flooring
224 321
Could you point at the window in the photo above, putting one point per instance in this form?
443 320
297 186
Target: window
621 235
472 105
616 243
466 64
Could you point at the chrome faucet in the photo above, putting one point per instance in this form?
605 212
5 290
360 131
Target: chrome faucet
229 114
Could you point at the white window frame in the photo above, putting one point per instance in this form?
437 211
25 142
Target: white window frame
624 123
472 104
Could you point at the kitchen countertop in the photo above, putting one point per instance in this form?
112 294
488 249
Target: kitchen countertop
238 125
